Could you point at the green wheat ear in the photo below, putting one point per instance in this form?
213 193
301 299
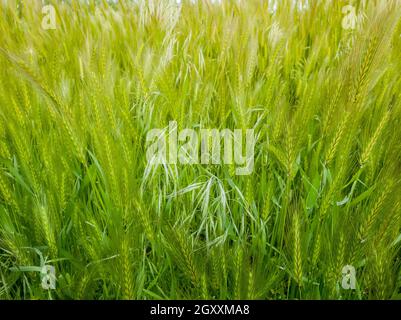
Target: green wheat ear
181 248
127 272
297 254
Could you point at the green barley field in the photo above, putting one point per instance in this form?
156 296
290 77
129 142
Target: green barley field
83 82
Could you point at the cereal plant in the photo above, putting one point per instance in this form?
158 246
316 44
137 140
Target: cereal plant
318 83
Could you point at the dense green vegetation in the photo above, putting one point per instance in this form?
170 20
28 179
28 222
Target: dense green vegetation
76 190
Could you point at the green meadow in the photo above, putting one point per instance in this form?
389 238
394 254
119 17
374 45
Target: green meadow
318 82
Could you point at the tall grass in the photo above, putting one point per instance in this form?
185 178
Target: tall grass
77 102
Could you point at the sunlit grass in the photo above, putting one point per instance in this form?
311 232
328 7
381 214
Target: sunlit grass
77 102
